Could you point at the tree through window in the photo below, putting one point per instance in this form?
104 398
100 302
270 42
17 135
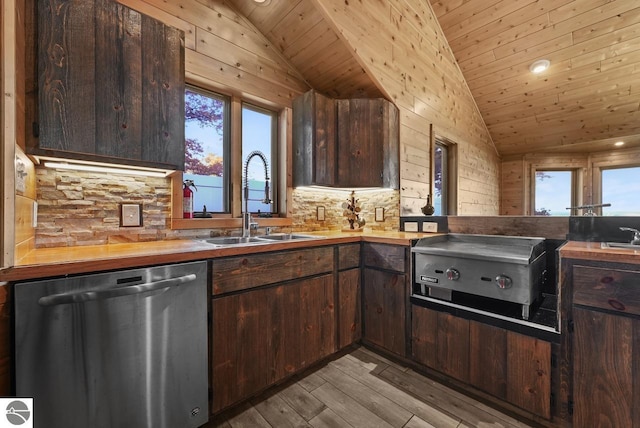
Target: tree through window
206 148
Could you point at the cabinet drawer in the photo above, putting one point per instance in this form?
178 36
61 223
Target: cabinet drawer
383 256
239 273
610 289
348 256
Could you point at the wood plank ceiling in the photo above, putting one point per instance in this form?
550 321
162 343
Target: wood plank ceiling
299 32
588 99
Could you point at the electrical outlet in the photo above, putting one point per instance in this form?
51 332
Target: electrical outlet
130 215
430 226
410 226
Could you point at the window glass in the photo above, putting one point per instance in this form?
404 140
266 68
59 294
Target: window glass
621 189
441 183
206 149
553 193
259 134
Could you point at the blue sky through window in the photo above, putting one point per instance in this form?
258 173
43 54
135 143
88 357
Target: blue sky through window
621 189
553 192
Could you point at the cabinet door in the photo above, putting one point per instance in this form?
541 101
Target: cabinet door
5 340
603 372
440 341
360 158
242 330
261 336
452 356
384 309
111 85
349 315
368 143
488 358
424 335
529 374
314 134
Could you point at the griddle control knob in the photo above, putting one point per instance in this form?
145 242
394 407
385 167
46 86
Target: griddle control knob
503 281
453 274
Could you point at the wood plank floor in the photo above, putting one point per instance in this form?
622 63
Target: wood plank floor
363 389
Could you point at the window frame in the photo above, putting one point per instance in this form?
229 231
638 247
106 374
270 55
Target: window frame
275 151
226 147
449 174
279 184
576 199
597 179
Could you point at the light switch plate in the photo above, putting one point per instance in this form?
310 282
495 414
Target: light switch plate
130 215
430 226
410 226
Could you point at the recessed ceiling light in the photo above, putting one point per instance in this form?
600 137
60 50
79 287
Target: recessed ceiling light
262 2
539 66
618 143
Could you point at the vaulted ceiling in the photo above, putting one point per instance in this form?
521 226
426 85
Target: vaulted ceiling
588 99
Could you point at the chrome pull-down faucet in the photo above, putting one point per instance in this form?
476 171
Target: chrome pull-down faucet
247 224
636 235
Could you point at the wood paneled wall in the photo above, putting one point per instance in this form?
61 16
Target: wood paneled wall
225 52
400 43
517 175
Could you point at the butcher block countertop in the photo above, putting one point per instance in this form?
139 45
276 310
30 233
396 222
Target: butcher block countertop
594 251
60 261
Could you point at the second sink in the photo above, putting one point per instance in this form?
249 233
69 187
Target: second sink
287 237
620 245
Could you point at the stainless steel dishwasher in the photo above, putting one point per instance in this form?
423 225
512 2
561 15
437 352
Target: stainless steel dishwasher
116 349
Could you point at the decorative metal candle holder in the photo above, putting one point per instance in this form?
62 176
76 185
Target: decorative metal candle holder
352 211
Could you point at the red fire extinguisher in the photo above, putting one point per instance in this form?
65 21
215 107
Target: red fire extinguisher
187 198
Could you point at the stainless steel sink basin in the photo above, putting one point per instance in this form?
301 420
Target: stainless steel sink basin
620 245
233 240
287 237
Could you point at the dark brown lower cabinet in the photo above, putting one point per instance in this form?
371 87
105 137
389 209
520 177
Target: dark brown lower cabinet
5 340
529 373
384 309
488 366
441 341
605 375
508 365
263 335
349 308
606 345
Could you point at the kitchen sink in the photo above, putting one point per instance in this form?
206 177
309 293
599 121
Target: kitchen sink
287 237
233 240
620 245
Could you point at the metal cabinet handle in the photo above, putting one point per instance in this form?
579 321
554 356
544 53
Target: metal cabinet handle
87 296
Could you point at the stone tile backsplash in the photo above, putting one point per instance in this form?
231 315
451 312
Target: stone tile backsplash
82 208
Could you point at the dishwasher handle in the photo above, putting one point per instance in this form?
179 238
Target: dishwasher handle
87 296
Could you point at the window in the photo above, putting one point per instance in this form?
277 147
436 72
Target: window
207 149
620 188
215 159
259 132
553 193
440 180
444 170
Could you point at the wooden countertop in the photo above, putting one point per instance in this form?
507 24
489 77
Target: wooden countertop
594 251
60 261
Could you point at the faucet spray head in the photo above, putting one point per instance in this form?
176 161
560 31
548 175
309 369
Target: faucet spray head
267 199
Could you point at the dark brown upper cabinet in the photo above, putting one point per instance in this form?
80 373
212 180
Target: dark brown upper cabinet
345 143
110 85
